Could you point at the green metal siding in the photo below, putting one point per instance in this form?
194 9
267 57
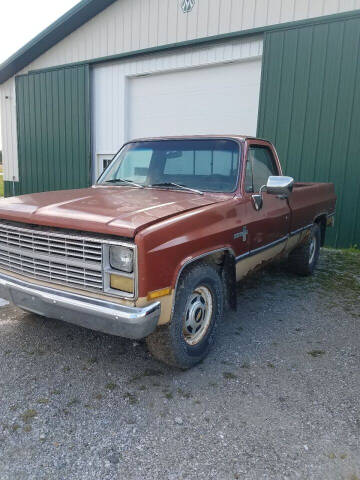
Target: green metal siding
310 109
11 188
53 121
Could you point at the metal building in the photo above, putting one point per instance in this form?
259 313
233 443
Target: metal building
111 70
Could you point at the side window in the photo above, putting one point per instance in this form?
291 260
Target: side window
263 166
248 178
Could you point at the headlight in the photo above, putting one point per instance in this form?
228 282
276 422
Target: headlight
122 258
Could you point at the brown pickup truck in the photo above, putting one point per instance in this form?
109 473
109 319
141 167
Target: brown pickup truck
155 247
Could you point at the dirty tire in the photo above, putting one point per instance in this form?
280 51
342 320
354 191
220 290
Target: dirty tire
304 258
168 342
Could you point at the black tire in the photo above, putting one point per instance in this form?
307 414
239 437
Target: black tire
304 258
168 343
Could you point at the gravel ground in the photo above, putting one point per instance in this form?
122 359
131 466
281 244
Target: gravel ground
278 397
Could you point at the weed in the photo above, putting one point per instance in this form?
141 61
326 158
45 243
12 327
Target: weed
15 427
183 394
316 353
28 415
111 386
132 399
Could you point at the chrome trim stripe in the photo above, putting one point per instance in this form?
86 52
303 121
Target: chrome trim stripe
331 214
251 253
299 230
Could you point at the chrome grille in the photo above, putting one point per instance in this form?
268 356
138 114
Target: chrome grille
50 256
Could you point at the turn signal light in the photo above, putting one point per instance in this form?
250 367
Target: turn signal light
125 284
159 293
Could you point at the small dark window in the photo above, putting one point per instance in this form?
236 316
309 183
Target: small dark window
260 166
106 163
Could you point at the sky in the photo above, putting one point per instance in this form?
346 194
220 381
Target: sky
22 20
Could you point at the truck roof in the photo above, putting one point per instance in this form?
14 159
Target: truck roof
238 138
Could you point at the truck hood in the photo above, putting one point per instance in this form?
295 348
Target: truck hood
121 211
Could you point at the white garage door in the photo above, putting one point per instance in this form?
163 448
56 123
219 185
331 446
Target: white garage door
197 90
216 99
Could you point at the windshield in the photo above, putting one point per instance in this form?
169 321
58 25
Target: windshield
204 165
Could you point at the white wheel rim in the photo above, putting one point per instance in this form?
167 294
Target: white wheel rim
197 317
312 249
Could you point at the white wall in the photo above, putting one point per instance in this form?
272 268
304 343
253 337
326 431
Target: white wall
8 129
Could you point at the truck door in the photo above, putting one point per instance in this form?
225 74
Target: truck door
268 226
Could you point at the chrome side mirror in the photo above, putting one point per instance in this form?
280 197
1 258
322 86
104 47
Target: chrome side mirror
279 185
276 185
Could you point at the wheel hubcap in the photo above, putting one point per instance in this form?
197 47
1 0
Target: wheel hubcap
312 249
197 316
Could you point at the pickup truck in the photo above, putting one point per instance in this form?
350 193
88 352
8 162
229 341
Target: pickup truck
154 249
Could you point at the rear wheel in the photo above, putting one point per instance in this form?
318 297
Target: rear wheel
198 308
304 258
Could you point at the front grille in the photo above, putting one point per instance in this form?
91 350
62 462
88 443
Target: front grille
52 256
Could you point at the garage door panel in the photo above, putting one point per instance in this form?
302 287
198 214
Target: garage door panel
217 99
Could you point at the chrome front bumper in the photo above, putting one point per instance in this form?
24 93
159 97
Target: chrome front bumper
96 314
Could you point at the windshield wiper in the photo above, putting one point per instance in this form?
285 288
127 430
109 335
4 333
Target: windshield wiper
122 180
178 185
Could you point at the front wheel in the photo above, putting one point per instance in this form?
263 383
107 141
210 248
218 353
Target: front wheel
198 308
304 258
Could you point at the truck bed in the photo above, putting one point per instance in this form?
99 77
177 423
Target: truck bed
310 200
